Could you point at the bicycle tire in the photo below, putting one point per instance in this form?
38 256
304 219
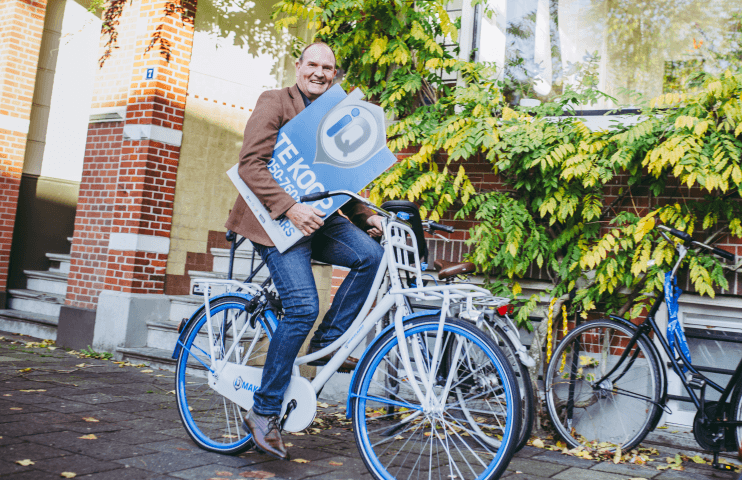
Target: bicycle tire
525 386
414 441
212 421
734 435
620 413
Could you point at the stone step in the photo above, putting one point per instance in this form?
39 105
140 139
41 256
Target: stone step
154 357
60 262
35 302
237 275
26 323
242 261
162 335
46 281
183 306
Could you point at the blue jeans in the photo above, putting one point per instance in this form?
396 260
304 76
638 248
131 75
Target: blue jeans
337 242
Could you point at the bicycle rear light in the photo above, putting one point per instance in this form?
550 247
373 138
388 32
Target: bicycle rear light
505 309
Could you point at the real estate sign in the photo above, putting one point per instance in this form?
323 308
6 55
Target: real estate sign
337 143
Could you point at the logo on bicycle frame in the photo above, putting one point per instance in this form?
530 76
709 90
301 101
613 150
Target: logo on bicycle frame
241 384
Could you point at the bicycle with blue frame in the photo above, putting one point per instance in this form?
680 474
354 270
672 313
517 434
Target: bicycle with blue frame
606 381
456 402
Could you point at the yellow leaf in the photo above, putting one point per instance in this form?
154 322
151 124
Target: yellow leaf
617 456
538 443
89 437
68 474
334 463
90 419
147 371
300 460
25 462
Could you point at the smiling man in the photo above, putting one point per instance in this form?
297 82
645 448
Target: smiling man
333 240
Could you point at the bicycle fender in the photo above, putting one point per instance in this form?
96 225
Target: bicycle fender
425 313
189 322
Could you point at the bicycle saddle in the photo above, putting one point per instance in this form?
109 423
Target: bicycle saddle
449 269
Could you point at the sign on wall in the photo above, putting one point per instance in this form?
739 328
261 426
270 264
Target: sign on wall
337 143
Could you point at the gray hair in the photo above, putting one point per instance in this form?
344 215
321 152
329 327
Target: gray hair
301 57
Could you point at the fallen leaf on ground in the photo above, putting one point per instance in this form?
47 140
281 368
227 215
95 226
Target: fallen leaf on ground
322 405
26 370
288 445
224 474
25 462
334 463
300 460
68 474
28 391
90 419
298 434
257 474
147 371
538 443
81 365
16 408
89 437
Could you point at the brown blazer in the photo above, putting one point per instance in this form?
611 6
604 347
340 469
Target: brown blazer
274 109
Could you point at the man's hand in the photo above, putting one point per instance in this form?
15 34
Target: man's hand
375 222
307 219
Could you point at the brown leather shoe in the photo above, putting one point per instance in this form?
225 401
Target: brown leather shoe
349 364
266 433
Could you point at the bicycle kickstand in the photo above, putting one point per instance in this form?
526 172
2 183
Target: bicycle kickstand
721 466
289 408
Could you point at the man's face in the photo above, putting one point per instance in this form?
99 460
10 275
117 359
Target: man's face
315 73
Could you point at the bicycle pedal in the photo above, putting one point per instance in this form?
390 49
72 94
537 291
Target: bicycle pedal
697 381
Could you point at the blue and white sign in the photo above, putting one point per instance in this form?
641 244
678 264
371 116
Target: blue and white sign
337 143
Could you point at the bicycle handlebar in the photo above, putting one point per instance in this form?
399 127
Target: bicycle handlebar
687 238
438 226
314 197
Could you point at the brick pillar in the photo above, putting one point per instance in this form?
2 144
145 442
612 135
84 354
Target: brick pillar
21 26
124 216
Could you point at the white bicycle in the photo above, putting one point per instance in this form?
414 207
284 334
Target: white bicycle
432 396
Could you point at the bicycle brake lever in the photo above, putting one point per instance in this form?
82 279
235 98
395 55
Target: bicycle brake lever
441 236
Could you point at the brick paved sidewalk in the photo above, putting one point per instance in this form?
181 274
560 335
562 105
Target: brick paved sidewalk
47 395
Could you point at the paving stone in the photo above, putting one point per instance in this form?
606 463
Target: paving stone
688 474
126 474
534 467
163 462
84 428
289 470
580 474
151 424
93 399
32 475
627 469
132 437
173 446
68 406
557 457
9 466
79 464
32 451
17 429
213 471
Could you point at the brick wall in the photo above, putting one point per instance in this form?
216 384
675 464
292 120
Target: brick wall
95 212
21 26
140 157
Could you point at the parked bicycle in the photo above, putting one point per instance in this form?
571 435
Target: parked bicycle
606 381
454 396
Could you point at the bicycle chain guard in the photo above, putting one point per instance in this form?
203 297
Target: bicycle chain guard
239 383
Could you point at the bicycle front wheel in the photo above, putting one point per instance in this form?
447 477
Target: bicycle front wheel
599 388
430 437
211 420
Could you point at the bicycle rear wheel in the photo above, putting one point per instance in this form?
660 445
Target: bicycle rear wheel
522 377
621 410
211 420
432 438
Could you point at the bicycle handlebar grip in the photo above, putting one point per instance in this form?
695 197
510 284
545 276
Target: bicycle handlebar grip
438 226
313 197
723 253
681 235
